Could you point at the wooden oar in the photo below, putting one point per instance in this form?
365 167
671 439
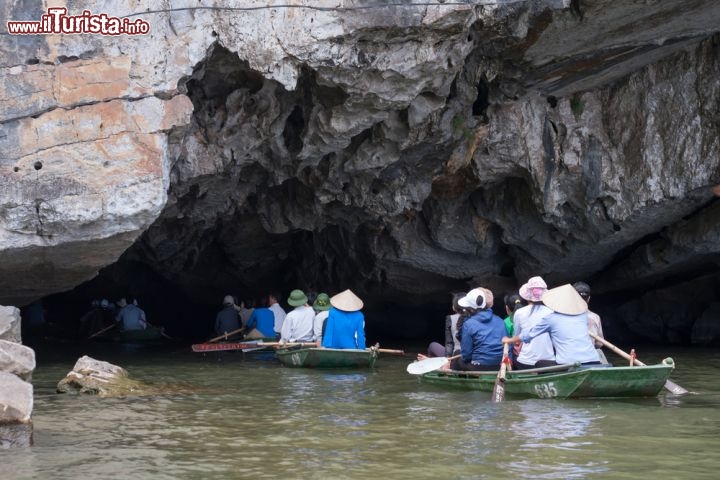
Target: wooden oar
99 332
499 388
225 335
672 387
428 365
389 351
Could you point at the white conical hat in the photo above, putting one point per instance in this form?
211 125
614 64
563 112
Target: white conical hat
565 299
346 301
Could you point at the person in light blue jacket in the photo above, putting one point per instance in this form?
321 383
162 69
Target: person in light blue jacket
567 325
345 324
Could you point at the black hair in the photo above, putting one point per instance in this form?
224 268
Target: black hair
513 301
583 289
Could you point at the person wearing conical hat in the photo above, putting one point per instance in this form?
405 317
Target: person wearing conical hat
298 324
322 306
567 325
345 325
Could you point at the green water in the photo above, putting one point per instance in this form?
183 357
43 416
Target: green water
231 416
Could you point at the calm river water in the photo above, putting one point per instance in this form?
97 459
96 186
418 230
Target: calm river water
229 416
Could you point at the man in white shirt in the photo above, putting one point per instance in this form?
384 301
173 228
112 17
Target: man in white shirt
299 323
277 310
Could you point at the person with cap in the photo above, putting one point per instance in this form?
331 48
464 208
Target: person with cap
227 320
594 324
277 310
299 323
567 325
345 325
538 352
480 335
131 316
261 323
322 306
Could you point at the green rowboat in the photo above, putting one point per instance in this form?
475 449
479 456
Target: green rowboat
327 357
575 382
150 335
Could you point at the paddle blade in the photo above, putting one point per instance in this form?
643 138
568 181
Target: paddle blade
427 365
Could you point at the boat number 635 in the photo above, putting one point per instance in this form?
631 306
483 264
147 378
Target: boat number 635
546 390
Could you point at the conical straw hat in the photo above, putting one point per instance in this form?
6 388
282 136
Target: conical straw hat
565 299
346 301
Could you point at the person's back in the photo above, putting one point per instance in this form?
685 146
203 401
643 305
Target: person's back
274 306
540 348
262 321
298 325
227 320
570 338
481 339
344 330
132 317
345 325
567 325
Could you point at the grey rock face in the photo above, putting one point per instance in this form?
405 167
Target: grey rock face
404 150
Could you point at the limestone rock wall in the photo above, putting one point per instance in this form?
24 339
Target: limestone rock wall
405 150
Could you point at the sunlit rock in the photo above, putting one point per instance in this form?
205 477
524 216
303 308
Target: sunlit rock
99 378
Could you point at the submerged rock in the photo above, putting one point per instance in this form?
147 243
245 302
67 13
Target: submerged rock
99 378
16 435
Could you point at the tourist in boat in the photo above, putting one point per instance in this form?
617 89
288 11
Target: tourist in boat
452 343
567 326
322 306
227 320
539 351
299 322
272 301
245 309
513 302
480 335
345 325
594 324
131 316
261 323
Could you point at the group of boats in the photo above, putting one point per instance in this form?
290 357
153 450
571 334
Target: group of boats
561 381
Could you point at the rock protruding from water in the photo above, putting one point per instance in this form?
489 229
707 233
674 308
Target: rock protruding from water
98 378
16 399
17 363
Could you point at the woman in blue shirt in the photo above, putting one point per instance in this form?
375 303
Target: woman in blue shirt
345 325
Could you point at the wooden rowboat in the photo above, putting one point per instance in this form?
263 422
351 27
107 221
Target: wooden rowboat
327 357
575 382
